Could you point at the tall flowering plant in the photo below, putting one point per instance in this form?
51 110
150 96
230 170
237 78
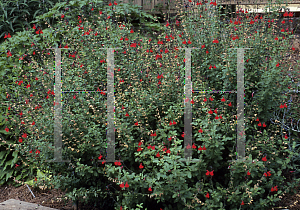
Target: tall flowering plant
149 114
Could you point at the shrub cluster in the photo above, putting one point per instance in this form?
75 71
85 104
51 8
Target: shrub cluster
150 169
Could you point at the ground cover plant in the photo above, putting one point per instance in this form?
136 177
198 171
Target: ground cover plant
149 91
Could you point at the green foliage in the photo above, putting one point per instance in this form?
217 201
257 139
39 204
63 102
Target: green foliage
153 102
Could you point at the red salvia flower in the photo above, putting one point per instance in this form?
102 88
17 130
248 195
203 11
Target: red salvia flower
126 185
141 166
215 41
209 173
122 185
207 195
264 159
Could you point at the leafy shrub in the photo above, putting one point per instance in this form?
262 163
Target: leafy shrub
150 119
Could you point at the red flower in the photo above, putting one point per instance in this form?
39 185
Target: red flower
122 185
153 134
205 100
7 36
248 173
20 140
126 185
259 124
286 137
264 159
200 130
136 123
141 166
242 203
6 129
37 152
213 3
209 173
277 65
149 189
24 135
158 155
207 195
223 99
264 125
210 98
215 41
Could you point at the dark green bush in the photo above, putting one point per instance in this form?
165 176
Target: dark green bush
153 105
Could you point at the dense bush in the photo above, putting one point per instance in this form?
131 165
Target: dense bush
150 114
12 162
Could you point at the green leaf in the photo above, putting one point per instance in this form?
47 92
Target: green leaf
189 174
9 174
